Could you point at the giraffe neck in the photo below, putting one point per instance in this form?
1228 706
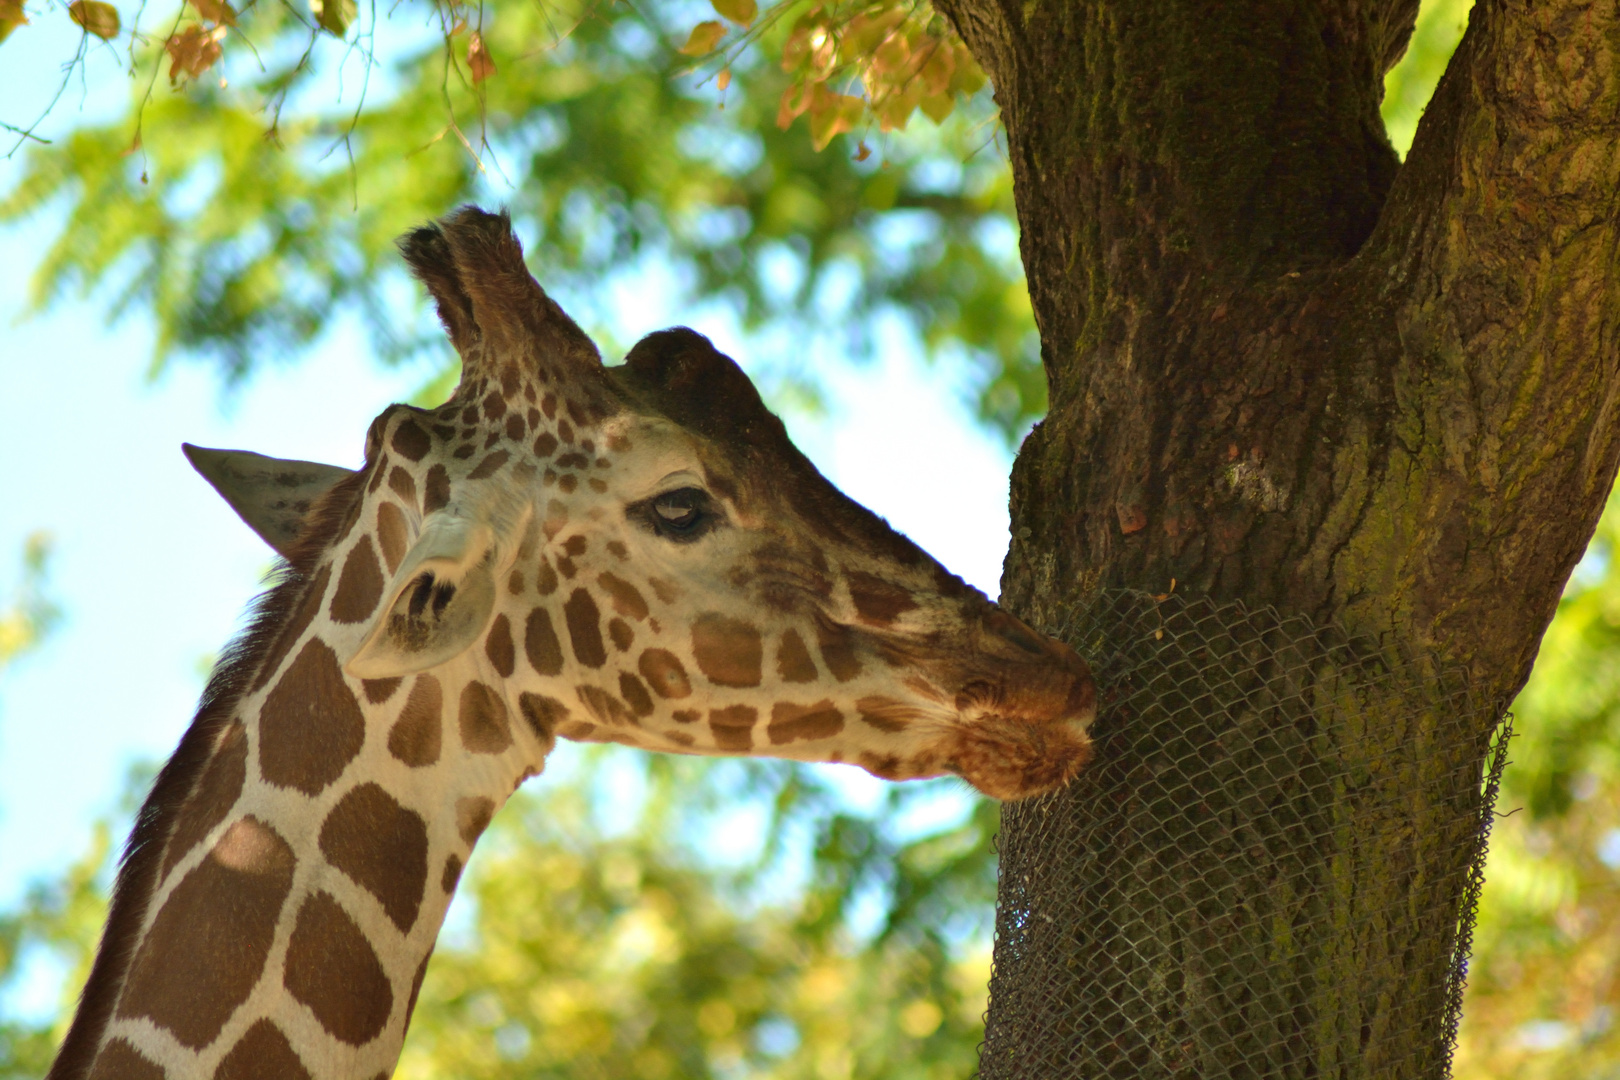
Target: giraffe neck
302 878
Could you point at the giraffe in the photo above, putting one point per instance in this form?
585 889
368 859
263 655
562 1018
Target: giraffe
632 554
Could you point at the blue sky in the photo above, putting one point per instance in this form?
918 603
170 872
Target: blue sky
152 571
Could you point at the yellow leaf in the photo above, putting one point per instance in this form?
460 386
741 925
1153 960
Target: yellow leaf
478 58
705 36
11 17
937 70
215 11
938 106
741 12
95 17
334 16
832 113
867 31
723 80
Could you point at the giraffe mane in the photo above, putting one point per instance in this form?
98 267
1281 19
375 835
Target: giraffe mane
141 862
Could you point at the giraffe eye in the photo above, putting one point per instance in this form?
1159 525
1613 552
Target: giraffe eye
682 515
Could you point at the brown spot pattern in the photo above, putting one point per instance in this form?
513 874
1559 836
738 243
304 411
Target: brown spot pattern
411 441
498 647
878 601
262 1053
620 634
577 730
332 969
472 817
733 726
360 586
310 727
545 579
437 490
793 723
838 650
585 628
662 669
729 651
216 792
635 694
416 735
209 942
487 467
603 706
484 727
542 713
514 583
391 534
403 485
450 874
383 847
540 643
545 445
294 628
627 600
515 428
793 661
119 1060
378 691
687 716
880 713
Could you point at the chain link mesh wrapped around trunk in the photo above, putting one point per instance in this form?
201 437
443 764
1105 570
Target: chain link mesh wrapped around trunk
1271 868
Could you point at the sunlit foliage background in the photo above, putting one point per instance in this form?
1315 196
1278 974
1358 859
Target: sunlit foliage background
603 932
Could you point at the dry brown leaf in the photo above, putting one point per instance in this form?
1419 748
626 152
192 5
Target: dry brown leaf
705 36
11 17
742 12
216 11
478 58
95 17
862 151
193 51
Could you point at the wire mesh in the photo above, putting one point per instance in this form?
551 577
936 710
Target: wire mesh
1270 870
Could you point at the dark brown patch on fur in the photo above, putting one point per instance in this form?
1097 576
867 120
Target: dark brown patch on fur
838 650
392 534
415 736
436 492
635 694
277 620
489 465
540 643
484 727
578 730
687 716
585 628
121 1061
733 726
472 818
310 727
602 705
209 942
378 691
793 661
879 602
515 428
568 482
573 460
664 671
262 1053
494 405
498 647
515 583
416 990
792 723
332 969
383 847
679 738
617 549
662 589
729 651
450 874
402 484
542 713
411 441
627 599
360 586
217 791
545 579
621 635
883 713
545 445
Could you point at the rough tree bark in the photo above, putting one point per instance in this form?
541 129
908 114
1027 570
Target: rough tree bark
1286 369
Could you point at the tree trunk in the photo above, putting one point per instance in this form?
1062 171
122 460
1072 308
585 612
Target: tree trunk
1357 419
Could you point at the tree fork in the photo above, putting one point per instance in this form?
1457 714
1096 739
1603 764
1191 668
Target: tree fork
1287 371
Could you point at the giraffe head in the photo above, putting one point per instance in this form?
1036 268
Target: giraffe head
639 554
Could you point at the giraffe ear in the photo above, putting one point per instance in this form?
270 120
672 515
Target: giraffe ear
270 494
438 604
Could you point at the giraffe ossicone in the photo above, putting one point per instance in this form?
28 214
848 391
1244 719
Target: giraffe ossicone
632 554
